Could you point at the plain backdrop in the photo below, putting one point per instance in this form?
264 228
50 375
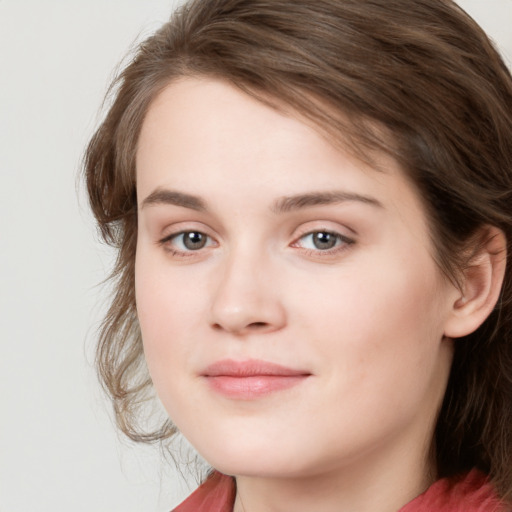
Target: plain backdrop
59 450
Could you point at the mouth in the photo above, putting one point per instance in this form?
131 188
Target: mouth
251 379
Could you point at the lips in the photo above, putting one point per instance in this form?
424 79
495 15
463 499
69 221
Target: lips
251 379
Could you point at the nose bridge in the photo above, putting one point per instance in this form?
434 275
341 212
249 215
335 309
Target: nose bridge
247 297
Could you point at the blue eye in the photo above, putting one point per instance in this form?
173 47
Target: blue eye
189 241
323 240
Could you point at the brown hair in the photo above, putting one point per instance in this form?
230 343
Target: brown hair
427 76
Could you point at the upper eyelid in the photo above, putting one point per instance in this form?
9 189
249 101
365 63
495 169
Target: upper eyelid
346 242
344 238
176 234
180 227
166 243
322 226
304 229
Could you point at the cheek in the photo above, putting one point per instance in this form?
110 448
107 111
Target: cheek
166 320
168 309
383 358
379 325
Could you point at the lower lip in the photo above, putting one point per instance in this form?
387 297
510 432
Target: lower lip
254 386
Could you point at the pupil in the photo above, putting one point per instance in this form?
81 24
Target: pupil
194 240
324 240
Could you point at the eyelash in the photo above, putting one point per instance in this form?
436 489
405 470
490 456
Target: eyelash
167 241
342 243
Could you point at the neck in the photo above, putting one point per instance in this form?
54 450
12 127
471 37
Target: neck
383 482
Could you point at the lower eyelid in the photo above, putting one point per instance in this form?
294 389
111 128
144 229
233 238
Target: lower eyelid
334 251
181 254
167 243
343 243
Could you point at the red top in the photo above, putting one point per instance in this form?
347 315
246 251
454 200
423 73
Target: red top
217 494
471 493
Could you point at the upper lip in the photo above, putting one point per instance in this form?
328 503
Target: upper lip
250 368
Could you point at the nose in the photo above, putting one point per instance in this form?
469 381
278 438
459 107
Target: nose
247 298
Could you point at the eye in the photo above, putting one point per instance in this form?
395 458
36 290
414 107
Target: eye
323 241
187 241
193 240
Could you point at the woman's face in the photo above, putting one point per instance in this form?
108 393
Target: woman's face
291 310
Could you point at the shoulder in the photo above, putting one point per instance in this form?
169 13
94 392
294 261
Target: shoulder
216 494
471 492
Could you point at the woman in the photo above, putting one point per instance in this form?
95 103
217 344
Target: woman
312 203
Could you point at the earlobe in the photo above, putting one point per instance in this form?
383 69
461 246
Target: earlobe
482 283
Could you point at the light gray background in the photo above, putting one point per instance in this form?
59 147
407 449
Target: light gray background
58 448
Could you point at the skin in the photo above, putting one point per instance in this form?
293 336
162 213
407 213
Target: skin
366 319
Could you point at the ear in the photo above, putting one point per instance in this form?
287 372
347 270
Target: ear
481 286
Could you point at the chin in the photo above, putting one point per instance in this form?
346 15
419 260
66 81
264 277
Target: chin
261 468
261 459
232 456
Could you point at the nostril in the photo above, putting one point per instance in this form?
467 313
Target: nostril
241 328
257 325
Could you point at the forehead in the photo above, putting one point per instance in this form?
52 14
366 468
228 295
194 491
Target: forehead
199 134
193 108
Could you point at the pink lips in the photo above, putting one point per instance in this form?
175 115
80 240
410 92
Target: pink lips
251 379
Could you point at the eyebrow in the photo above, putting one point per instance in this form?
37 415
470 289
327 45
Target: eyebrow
297 202
282 205
171 197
